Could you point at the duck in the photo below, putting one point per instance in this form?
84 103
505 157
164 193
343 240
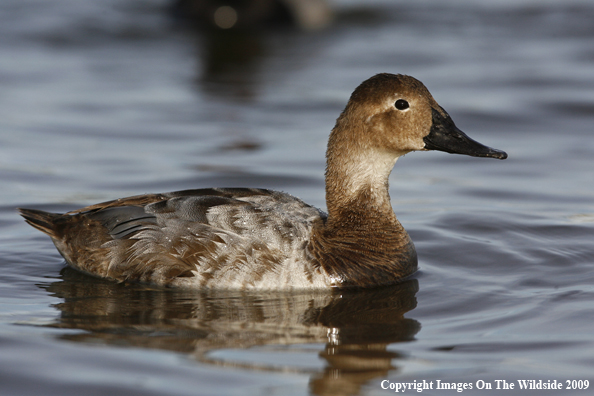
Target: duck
259 239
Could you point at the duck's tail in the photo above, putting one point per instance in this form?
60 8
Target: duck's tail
43 221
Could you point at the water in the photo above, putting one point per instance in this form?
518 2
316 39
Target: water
105 99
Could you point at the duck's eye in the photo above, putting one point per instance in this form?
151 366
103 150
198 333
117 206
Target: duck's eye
401 104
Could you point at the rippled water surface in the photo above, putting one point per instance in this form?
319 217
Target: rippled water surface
104 99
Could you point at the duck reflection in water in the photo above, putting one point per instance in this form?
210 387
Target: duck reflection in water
355 326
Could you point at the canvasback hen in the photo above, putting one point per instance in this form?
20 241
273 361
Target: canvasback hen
249 238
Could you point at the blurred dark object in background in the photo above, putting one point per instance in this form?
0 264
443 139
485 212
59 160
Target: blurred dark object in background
253 14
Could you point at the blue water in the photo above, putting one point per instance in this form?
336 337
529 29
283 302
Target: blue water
105 99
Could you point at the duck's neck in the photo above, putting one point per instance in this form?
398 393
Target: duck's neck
361 243
357 185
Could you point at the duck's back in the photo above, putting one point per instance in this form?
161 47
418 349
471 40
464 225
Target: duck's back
235 238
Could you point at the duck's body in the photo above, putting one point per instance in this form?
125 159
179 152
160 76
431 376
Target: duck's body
233 238
262 239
